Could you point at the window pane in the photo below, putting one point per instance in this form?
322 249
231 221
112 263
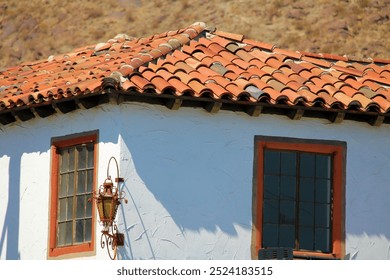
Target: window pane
62 209
323 165
287 236
322 215
306 165
271 211
70 184
69 209
79 231
64 160
271 186
68 233
88 206
287 212
287 187
90 155
288 163
89 181
61 234
323 190
306 238
88 229
80 211
270 235
306 189
63 185
322 240
71 158
271 162
81 181
82 157
306 214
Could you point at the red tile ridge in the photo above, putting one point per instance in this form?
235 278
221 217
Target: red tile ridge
381 60
288 53
320 62
230 36
261 45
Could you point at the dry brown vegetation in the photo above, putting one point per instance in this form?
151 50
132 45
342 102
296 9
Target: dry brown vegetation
36 29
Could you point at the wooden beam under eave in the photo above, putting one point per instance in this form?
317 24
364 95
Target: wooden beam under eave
213 107
173 103
377 120
337 117
296 114
254 111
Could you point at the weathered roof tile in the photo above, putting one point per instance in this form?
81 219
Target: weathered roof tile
202 62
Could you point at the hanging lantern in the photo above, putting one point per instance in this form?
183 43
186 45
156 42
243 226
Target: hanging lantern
108 198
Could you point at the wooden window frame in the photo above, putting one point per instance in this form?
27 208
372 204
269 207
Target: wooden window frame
57 143
338 149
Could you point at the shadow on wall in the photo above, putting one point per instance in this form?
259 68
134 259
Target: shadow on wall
9 237
202 180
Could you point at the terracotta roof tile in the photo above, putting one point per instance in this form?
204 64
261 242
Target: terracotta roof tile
202 62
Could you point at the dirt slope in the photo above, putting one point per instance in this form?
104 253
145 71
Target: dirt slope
36 29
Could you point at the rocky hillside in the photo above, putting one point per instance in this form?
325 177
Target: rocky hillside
36 29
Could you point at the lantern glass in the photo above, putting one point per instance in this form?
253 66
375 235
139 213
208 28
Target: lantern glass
107 208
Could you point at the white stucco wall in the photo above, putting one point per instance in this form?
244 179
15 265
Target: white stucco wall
188 180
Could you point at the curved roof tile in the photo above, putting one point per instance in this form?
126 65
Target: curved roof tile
200 62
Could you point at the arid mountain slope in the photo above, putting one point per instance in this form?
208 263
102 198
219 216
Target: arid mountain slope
36 29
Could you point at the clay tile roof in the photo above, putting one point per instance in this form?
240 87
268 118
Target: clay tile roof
202 64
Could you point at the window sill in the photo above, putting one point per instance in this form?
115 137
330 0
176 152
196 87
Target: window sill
299 255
